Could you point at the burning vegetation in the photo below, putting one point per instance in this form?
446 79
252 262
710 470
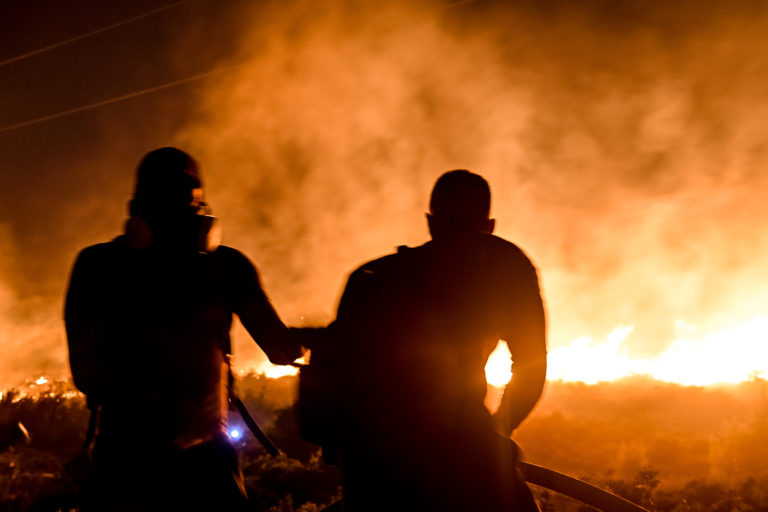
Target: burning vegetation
665 446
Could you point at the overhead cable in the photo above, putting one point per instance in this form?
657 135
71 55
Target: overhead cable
142 92
86 35
92 106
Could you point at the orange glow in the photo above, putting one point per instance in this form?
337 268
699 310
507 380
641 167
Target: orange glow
586 361
729 356
498 368
275 372
733 355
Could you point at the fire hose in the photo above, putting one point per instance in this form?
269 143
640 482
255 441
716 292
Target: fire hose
576 489
259 434
543 477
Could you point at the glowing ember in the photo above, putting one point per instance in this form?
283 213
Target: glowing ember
41 381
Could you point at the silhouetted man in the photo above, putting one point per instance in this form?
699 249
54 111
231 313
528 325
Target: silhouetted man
408 348
148 317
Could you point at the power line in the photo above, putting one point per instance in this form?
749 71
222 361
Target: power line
142 92
86 35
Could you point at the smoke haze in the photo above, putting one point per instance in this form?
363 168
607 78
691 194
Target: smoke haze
624 142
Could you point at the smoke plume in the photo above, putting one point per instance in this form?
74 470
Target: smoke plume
624 143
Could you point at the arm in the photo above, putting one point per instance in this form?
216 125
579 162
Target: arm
264 325
84 323
525 333
261 320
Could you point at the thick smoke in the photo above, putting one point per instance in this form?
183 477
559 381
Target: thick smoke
624 142
27 327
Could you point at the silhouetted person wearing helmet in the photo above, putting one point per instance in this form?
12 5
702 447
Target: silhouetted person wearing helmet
148 317
408 349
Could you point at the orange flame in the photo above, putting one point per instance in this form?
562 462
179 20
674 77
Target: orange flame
729 356
733 355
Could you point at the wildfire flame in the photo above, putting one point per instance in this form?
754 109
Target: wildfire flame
498 369
275 372
729 356
733 355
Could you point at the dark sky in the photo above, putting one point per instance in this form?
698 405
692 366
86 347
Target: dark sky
54 170
624 141
65 181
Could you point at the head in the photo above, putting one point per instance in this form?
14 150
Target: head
460 203
168 187
167 209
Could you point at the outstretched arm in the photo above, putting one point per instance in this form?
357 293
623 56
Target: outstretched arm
264 325
260 319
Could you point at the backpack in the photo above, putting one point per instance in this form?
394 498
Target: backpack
328 407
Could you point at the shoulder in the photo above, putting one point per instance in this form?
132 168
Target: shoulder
231 255
507 259
386 265
233 266
376 266
478 245
480 256
94 265
505 250
100 252
373 275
